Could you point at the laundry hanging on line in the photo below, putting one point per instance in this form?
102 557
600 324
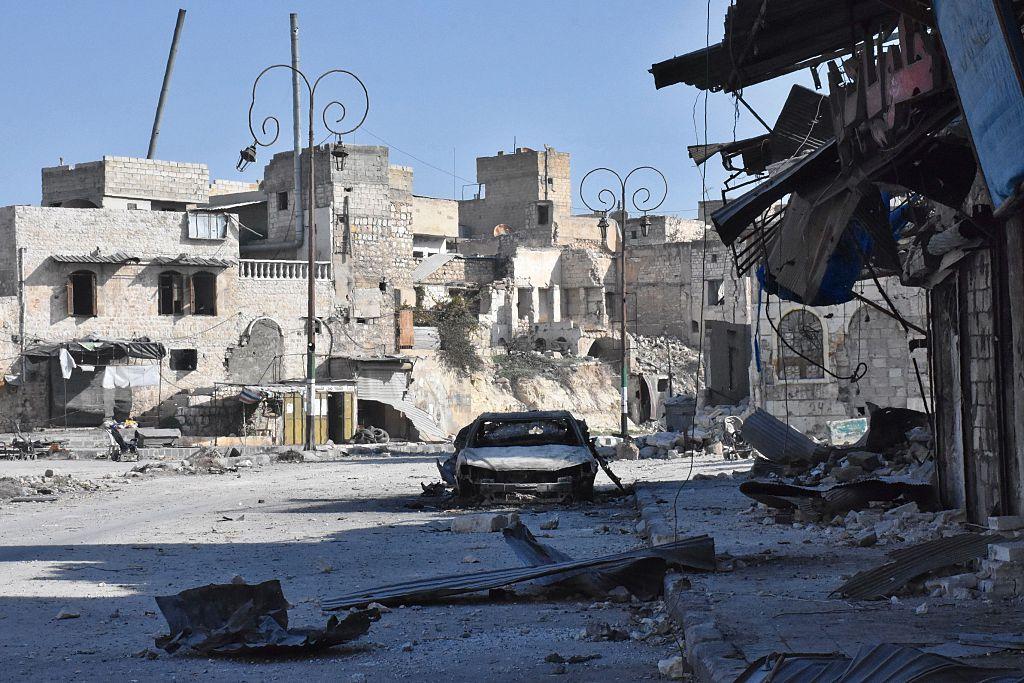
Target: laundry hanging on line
121 376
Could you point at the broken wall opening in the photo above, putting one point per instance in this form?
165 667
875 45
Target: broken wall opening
377 414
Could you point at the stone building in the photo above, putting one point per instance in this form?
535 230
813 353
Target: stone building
216 275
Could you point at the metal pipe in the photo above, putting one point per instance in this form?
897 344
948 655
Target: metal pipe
21 311
297 128
166 85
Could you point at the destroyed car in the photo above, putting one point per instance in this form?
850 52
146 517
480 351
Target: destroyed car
539 453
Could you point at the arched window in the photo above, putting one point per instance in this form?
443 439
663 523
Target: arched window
204 293
81 288
803 333
171 293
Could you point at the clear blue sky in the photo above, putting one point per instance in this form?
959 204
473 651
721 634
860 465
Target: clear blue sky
81 80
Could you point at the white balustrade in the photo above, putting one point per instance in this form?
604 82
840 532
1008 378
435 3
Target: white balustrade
264 269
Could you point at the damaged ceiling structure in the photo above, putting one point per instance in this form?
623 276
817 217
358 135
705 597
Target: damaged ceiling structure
903 162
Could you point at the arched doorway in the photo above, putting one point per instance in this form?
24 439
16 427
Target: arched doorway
257 358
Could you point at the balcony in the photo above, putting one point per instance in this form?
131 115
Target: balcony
262 269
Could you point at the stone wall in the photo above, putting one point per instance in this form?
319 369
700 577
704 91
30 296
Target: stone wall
108 183
431 216
658 286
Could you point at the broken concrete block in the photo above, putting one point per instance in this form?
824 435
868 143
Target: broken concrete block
997 588
948 584
626 451
648 452
848 473
673 667
909 508
1006 523
483 523
1002 571
550 524
867 539
1007 551
864 459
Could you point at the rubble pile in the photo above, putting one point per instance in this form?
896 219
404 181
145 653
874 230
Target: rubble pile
651 356
51 483
204 461
708 432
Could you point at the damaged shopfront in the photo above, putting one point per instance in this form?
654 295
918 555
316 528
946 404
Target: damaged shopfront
907 173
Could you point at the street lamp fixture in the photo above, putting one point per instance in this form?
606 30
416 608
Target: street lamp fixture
245 157
267 136
642 200
339 154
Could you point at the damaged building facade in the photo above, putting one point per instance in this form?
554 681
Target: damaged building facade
140 289
906 171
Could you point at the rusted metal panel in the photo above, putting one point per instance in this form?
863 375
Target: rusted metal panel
406 336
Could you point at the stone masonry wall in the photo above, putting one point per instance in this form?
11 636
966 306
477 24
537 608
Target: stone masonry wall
104 182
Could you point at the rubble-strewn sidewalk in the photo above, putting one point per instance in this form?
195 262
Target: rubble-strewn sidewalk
772 590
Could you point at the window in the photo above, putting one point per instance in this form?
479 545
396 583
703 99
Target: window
133 206
171 293
524 302
716 292
612 306
204 293
543 214
207 226
714 258
282 201
801 353
694 327
81 288
184 359
663 384
632 234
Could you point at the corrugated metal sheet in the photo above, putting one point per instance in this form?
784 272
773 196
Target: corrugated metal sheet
118 257
389 387
430 264
694 553
881 663
908 563
805 123
776 440
426 338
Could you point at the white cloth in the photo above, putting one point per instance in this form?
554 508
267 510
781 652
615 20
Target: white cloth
67 363
120 376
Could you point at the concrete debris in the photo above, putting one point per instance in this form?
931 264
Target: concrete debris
1006 523
483 523
1010 551
66 613
45 488
241 619
598 631
549 525
674 667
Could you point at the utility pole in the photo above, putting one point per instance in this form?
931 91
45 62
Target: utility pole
166 85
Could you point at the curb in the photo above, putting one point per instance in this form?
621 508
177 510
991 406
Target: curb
712 657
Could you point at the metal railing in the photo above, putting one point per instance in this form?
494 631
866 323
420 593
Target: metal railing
264 269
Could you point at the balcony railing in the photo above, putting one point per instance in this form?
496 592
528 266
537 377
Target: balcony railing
260 269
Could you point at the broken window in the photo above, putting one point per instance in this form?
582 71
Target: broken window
81 288
184 359
612 306
543 214
525 433
203 293
171 293
801 352
282 201
716 292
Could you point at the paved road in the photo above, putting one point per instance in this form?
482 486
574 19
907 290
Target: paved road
321 528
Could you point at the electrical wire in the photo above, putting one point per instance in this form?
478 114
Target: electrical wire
703 266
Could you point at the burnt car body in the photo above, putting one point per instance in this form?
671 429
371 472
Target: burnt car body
537 453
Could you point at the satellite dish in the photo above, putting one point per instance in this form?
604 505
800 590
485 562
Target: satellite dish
502 229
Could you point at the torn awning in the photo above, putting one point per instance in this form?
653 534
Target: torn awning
93 349
769 39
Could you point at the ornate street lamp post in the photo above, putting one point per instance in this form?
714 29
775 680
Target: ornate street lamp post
338 154
643 201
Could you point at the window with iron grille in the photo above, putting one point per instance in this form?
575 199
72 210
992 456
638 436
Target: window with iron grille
803 333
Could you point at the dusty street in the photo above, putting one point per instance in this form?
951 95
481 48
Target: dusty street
322 529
